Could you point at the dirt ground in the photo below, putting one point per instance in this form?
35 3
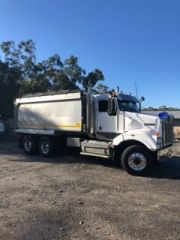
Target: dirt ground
73 197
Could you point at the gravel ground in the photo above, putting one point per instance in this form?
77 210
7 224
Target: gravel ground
72 197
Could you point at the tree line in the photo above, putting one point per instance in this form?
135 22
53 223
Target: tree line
21 73
161 108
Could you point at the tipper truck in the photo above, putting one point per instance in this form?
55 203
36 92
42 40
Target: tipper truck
110 126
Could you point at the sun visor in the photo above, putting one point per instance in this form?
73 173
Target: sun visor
125 97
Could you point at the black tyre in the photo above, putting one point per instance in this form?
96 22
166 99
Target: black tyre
136 160
45 146
29 145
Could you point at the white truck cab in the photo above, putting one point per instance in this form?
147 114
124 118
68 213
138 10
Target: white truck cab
124 121
102 125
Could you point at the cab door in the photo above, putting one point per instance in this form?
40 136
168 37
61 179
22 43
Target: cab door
105 123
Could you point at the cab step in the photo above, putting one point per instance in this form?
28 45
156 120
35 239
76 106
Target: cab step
96 148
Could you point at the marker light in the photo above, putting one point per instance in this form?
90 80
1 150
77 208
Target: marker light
156 133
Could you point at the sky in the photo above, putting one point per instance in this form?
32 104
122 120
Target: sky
134 42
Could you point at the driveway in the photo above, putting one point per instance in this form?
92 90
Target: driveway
73 197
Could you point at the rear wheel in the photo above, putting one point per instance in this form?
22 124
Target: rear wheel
136 160
45 146
29 144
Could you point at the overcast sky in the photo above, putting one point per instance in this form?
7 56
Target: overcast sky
131 41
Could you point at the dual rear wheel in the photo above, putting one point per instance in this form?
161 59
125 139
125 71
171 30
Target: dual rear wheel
44 145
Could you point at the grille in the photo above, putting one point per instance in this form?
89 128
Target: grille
167 132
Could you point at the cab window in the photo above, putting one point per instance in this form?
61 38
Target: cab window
103 106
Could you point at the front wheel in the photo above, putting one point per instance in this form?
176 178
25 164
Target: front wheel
136 160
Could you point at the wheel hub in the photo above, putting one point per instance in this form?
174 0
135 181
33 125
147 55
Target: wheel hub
28 145
45 147
137 161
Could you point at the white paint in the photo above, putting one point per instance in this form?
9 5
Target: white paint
48 98
106 123
47 113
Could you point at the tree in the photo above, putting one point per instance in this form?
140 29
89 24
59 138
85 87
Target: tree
8 90
92 78
101 88
21 57
72 70
50 74
24 75
163 108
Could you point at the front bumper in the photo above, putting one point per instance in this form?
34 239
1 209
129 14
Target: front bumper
168 152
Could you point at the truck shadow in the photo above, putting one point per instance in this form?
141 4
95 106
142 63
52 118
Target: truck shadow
164 169
168 168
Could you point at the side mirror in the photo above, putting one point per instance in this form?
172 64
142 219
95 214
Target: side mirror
112 107
140 103
142 99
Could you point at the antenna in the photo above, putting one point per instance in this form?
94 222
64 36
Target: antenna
117 89
136 90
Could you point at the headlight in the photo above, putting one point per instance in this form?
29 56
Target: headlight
155 133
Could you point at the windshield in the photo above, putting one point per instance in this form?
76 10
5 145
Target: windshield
129 106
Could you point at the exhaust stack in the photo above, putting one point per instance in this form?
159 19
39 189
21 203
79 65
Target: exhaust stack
90 129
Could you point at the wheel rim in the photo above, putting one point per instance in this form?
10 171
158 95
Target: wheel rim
45 147
28 145
137 161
